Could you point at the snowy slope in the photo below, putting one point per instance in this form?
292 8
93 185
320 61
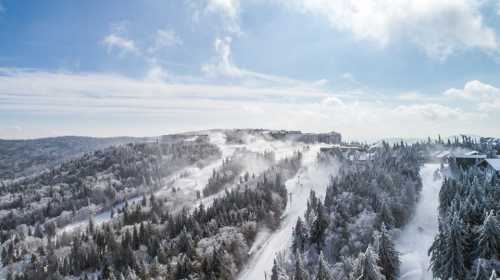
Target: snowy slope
188 180
265 249
416 238
193 178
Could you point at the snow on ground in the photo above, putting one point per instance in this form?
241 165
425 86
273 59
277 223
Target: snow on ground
416 238
188 180
192 178
311 176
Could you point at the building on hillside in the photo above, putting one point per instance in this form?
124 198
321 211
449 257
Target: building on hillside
327 138
466 161
491 165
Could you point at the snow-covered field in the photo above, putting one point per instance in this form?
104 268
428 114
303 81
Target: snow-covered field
310 177
416 238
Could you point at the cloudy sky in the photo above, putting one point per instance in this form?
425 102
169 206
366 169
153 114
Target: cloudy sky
365 68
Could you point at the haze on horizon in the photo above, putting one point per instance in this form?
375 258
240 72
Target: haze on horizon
367 69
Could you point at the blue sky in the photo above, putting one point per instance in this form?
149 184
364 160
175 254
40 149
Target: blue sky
367 68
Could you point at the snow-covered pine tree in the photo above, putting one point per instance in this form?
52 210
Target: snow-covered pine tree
300 272
385 216
275 271
299 236
388 256
449 249
488 239
323 269
479 271
319 226
437 249
366 267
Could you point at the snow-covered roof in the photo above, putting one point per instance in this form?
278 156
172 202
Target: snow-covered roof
470 156
494 163
464 156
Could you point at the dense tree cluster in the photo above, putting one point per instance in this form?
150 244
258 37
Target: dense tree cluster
147 240
20 158
468 243
100 179
351 229
232 168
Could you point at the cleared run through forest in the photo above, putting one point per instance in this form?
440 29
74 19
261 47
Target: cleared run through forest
311 177
416 238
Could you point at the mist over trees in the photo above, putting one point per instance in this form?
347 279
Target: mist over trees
211 222
100 179
149 239
347 234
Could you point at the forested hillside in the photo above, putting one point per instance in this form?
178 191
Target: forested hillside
20 158
467 245
224 204
96 181
147 240
348 234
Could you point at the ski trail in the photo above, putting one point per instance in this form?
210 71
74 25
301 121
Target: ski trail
309 177
417 237
195 180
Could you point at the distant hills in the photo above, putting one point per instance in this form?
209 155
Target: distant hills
25 157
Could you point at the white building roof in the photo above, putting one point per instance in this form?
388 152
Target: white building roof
494 163
470 156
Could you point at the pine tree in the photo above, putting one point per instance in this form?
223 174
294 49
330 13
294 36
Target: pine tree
323 270
155 268
436 251
388 256
479 271
319 227
91 226
366 267
488 240
300 272
299 236
447 259
275 271
385 216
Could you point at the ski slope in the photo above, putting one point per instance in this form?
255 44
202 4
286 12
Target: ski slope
191 179
187 180
267 245
416 238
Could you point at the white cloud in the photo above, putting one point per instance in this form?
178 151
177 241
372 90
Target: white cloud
165 38
474 90
228 11
223 68
438 27
152 106
433 112
157 73
348 77
230 8
124 45
409 96
332 101
486 97
223 64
